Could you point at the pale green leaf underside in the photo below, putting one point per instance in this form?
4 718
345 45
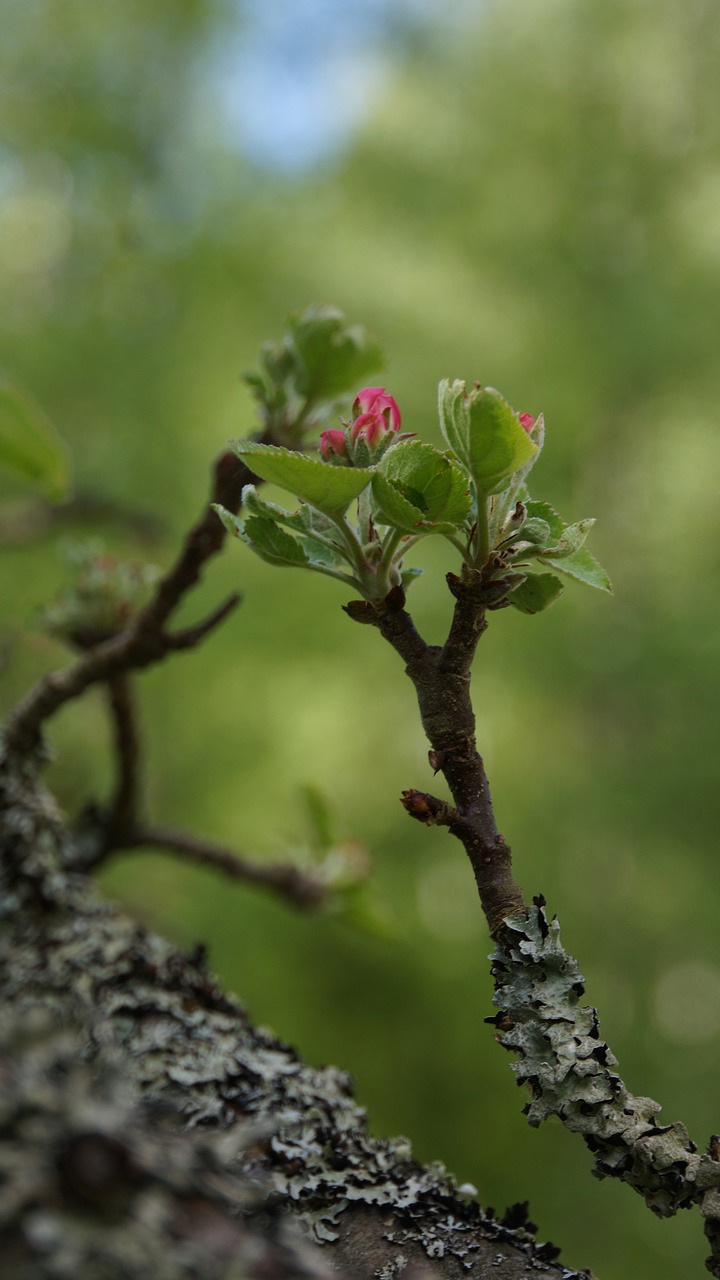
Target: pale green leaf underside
272 542
30 448
265 537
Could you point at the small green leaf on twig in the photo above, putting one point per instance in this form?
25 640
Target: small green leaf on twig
484 434
537 592
417 488
583 567
330 489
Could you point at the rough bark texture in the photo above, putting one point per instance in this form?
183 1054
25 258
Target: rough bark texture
562 1060
136 1041
570 1072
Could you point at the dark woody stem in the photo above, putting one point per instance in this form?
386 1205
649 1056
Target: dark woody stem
126 798
147 640
441 677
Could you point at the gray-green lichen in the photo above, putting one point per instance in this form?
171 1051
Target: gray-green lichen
94 1184
186 1045
570 1073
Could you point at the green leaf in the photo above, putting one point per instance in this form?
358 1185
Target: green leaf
543 511
330 489
454 422
408 576
264 537
271 542
583 567
536 593
498 445
333 357
319 817
536 531
565 538
391 507
484 434
415 487
30 447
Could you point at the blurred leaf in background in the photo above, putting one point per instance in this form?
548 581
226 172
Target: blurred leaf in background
524 194
31 450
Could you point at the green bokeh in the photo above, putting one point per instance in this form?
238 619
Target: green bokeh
534 205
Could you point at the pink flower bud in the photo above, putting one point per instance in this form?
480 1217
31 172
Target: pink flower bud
376 414
527 422
332 444
377 400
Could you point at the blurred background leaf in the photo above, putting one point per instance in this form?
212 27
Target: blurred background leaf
524 194
30 449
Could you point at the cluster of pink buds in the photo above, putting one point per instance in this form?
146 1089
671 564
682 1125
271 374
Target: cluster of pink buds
376 413
373 428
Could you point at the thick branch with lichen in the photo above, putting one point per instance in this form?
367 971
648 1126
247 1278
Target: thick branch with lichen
157 1021
568 1069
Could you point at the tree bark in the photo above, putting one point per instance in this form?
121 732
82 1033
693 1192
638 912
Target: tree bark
150 1129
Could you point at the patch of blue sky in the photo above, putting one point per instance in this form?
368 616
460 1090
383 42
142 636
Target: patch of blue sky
298 76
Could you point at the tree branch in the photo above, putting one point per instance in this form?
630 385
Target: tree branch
122 827
124 806
441 677
145 641
566 1066
174 1038
570 1074
299 887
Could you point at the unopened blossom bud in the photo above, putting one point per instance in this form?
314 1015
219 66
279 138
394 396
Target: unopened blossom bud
370 427
377 419
527 422
377 400
332 444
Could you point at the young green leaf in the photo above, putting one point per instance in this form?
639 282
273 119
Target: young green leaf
498 444
415 487
333 357
306 520
583 567
271 542
30 447
454 422
536 593
536 531
484 433
330 489
265 537
564 539
543 511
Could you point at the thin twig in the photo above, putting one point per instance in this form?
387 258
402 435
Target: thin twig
301 888
122 813
191 636
441 677
145 641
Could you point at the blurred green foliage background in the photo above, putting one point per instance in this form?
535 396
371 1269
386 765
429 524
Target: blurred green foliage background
530 196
